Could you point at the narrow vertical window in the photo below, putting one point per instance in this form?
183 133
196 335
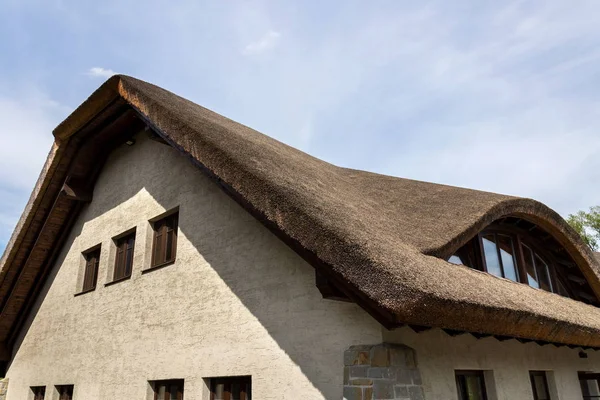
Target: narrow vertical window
539 385
90 275
231 388
171 389
39 392
124 256
470 385
65 392
164 242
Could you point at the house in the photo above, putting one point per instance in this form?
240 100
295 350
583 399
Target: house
168 252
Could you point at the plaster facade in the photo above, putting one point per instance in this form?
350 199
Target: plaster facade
506 364
237 301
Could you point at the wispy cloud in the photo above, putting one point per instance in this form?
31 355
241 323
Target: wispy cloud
267 42
100 72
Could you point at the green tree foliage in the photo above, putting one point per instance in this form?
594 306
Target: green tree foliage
587 224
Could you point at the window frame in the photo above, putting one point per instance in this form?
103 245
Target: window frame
461 374
227 381
36 394
544 375
90 278
180 383
163 230
520 240
474 249
65 396
588 376
121 242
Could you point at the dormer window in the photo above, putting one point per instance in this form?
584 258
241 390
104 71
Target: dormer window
519 250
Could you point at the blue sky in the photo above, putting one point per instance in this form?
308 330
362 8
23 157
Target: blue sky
498 96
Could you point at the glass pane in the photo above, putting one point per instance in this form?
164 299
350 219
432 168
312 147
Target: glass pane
474 388
161 391
491 255
157 249
169 252
529 267
540 387
589 387
220 391
128 262
455 259
507 252
235 391
173 392
543 274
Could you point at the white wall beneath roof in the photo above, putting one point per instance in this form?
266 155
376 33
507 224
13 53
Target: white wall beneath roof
237 301
439 355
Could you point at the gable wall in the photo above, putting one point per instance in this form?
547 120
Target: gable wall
237 301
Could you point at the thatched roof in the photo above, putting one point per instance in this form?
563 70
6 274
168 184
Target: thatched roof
383 239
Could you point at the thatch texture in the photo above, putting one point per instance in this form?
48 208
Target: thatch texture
386 237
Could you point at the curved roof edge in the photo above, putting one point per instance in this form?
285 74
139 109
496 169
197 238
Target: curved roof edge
541 215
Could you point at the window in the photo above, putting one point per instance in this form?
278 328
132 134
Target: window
90 276
231 388
470 385
539 385
38 392
521 251
171 389
124 256
499 252
590 385
65 392
164 241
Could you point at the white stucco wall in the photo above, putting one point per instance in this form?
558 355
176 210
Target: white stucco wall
236 302
508 363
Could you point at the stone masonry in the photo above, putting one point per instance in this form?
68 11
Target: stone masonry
3 388
381 372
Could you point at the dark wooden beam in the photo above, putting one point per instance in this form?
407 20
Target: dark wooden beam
76 193
453 332
328 289
419 328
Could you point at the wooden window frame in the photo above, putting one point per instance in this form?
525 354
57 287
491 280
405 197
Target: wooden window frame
458 374
120 271
90 270
39 392
515 244
532 375
168 383
588 376
69 392
228 381
161 229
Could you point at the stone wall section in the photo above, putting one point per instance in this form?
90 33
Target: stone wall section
381 372
3 388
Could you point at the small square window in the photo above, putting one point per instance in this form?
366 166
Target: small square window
171 389
38 392
65 392
164 240
231 388
471 385
539 385
124 256
90 275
